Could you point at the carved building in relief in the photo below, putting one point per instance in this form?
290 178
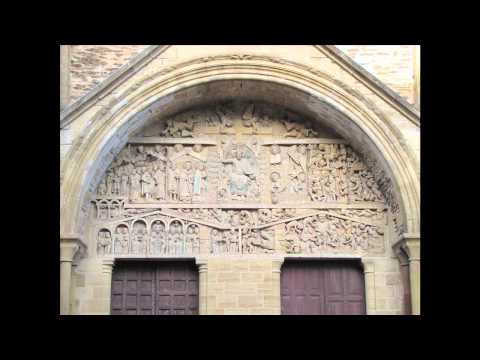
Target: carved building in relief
239 178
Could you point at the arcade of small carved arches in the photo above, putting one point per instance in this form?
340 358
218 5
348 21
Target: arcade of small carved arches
147 226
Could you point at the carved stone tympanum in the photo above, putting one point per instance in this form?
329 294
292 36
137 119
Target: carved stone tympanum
240 177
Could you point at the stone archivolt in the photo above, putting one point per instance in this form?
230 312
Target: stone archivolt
240 178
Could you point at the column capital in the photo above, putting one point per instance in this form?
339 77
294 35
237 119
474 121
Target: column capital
410 244
202 264
277 264
368 265
69 245
400 253
107 265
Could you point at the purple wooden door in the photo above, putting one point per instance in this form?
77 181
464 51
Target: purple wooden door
154 288
177 290
322 288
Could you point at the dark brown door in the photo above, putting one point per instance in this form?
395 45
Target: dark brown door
154 288
322 288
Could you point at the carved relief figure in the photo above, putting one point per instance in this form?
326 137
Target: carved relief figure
196 240
199 182
116 182
121 240
296 129
176 239
276 187
298 183
248 118
232 241
321 231
186 182
197 152
292 128
135 185
124 182
159 181
224 116
158 239
249 240
114 210
147 184
179 126
103 211
139 238
102 187
189 239
292 237
275 155
177 152
243 173
265 240
104 244
109 181
216 241
173 182
159 153
139 158
297 155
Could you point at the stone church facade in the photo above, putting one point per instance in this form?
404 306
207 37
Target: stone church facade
238 180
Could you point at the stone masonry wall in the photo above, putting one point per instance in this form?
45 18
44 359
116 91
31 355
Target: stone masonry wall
392 64
91 289
91 64
242 286
234 287
388 287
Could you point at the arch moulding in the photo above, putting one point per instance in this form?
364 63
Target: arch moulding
356 118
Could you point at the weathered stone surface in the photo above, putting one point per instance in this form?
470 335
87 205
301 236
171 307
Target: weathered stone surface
256 173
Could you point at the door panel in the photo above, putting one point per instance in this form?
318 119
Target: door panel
322 288
148 288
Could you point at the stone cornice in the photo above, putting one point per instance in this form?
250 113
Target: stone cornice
374 84
110 83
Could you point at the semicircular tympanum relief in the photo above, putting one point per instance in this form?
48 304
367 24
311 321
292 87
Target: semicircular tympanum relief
238 178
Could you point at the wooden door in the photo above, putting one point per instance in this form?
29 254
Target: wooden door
154 288
322 288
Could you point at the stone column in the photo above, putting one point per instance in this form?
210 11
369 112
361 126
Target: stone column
64 76
404 270
410 245
202 285
369 273
68 248
412 248
276 282
107 270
